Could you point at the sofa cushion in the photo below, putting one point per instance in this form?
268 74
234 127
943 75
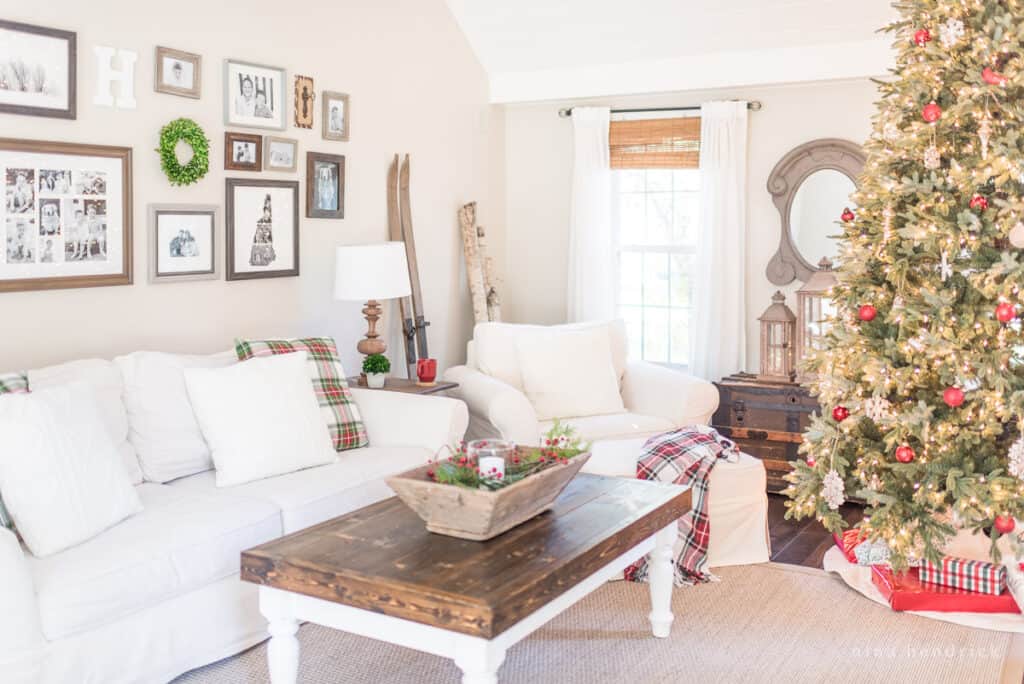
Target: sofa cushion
311 496
617 426
179 542
495 347
161 424
11 383
105 380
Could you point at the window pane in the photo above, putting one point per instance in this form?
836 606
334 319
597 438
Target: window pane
656 279
656 335
633 316
682 274
659 180
686 179
680 351
630 180
685 215
659 218
631 279
632 208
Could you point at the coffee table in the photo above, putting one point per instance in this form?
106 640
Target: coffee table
378 573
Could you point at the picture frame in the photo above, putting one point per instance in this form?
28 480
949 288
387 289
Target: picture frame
254 95
261 228
325 185
41 50
67 215
184 242
280 154
243 151
336 115
305 100
178 73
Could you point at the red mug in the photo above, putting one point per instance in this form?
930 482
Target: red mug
426 370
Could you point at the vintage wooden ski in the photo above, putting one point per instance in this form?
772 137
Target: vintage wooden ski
404 303
420 321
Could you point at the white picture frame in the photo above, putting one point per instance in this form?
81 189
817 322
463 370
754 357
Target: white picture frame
185 242
254 95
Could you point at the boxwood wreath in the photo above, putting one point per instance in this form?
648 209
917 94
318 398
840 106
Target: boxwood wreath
188 131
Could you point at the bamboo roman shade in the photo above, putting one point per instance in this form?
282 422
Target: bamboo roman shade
655 143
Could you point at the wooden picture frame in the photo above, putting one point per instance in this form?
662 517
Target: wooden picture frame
325 185
189 67
272 161
305 101
331 101
62 109
258 237
245 108
67 215
243 151
206 246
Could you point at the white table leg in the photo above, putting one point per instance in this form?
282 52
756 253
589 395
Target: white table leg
283 649
479 661
661 577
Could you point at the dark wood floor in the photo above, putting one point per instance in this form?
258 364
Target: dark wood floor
801 542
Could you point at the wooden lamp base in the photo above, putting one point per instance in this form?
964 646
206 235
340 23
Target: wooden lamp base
372 344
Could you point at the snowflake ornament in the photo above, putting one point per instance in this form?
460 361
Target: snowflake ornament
951 32
891 131
932 158
877 409
833 491
1016 457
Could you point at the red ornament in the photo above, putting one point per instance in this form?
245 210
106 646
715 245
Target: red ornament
867 313
904 454
1006 312
992 77
931 112
953 396
847 215
840 413
979 202
922 37
811 461
1005 524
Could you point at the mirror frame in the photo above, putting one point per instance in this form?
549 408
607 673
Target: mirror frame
827 153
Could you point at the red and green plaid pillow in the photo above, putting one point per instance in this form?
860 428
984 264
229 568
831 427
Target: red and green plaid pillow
336 403
11 383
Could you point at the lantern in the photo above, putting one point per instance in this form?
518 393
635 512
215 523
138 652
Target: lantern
778 330
813 308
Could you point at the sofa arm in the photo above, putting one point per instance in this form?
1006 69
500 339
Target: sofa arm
21 638
396 419
654 390
496 408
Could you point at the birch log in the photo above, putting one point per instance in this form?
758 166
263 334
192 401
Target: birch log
490 278
474 265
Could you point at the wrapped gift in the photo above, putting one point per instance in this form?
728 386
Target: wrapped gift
974 575
847 542
906 591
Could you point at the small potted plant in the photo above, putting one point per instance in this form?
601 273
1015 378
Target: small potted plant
376 367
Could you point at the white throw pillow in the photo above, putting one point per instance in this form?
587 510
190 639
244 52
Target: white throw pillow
569 373
260 417
161 424
61 476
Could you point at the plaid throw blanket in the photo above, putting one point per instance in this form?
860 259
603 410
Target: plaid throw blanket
685 457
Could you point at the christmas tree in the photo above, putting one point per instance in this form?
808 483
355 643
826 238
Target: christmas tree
921 376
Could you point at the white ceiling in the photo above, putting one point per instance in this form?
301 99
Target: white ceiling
553 49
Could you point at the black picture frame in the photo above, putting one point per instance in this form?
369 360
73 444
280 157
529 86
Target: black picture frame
69 112
231 230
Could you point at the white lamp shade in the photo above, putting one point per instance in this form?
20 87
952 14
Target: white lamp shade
365 272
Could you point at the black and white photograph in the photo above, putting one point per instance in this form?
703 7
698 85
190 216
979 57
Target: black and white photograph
262 229
20 191
325 185
86 230
243 151
335 116
21 241
37 70
54 182
50 251
183 242
280 154
254 95
89 182
49 217
178 73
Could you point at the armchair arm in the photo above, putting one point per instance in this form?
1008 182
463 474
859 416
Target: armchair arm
655 390
396 419
496 408
21 638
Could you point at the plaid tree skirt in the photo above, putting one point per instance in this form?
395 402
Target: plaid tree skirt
685 457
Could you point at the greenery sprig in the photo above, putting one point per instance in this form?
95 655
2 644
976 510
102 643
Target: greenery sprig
192 134
376 363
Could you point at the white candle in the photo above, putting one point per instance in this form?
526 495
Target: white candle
492 466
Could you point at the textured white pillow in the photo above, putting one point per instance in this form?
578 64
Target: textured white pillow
61 476
569 373
161 424
260 417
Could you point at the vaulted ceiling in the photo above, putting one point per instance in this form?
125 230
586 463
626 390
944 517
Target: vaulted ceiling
554 49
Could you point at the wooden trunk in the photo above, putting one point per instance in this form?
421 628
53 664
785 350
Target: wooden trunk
766 419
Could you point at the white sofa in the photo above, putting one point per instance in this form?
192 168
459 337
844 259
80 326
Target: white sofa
159 593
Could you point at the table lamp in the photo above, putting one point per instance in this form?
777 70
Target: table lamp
371 273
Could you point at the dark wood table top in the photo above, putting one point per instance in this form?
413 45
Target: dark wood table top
382 558
404 385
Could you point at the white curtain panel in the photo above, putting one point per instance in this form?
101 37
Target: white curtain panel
592 264
718 331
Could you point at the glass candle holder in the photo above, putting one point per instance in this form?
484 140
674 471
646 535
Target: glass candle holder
491 455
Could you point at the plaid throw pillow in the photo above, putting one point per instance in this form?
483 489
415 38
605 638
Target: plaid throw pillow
11 383
336 403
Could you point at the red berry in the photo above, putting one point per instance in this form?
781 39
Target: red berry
922 37
840 413
811 461
953 396
931 112
430 474
904 454
847 215
867 313
1005 524
1006 312
979 202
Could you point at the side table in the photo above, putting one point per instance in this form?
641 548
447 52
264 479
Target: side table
404 385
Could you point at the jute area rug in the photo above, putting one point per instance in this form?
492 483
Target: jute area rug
761 623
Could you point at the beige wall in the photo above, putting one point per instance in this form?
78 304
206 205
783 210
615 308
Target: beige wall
416 87
538 180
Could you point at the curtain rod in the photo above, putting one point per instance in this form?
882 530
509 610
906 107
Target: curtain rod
754 106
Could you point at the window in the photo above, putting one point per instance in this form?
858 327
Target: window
656 185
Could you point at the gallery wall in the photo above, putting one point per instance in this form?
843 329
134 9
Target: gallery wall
538 186
415 87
